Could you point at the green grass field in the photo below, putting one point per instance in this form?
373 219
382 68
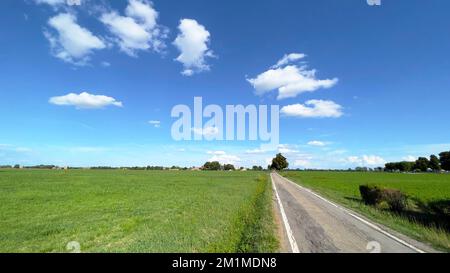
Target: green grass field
135 211
343 187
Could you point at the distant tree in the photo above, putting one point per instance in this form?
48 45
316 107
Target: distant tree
212 166
361 169
422 164
435 165
279 162
154 168
389 167
229 167
404 166
257 168
207 166
17 166
444 158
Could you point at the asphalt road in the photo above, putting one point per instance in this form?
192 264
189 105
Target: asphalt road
312 224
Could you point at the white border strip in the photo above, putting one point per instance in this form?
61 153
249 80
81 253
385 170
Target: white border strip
292 242
377 228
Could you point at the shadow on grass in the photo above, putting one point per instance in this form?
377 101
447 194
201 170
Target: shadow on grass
354 199
434 214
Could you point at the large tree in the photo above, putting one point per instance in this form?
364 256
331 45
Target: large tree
422 164
212 166
279 163
445 160
404 166
434 163
229 167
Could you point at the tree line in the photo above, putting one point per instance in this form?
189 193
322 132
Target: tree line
422 164
216 166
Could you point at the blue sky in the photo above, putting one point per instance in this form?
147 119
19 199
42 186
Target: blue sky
382 71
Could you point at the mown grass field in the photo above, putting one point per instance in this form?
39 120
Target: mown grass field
343 187
135 211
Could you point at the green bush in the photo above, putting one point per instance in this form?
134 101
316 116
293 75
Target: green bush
370 194
374 195
440 207
395 199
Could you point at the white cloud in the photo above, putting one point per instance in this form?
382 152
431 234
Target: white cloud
192 42
223 157
289 58
410 158
317 143
155 123
72 43
353 159
313 109
51 2
138 30
366 160
287 149
255 151
289 80
304 163
85 100
373 160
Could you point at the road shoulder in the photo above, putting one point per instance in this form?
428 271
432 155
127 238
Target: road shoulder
369 222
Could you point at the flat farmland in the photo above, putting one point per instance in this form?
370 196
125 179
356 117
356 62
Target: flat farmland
424 191
135 211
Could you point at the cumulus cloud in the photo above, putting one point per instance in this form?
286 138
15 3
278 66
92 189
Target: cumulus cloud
71 42
223 157
192 42
289 58
317 143
287 149
313 109
85 101
290 80
138 30
410 158
366 160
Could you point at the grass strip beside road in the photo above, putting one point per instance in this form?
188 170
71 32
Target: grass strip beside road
343 188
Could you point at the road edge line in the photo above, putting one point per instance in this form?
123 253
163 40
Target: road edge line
352 214
291 238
